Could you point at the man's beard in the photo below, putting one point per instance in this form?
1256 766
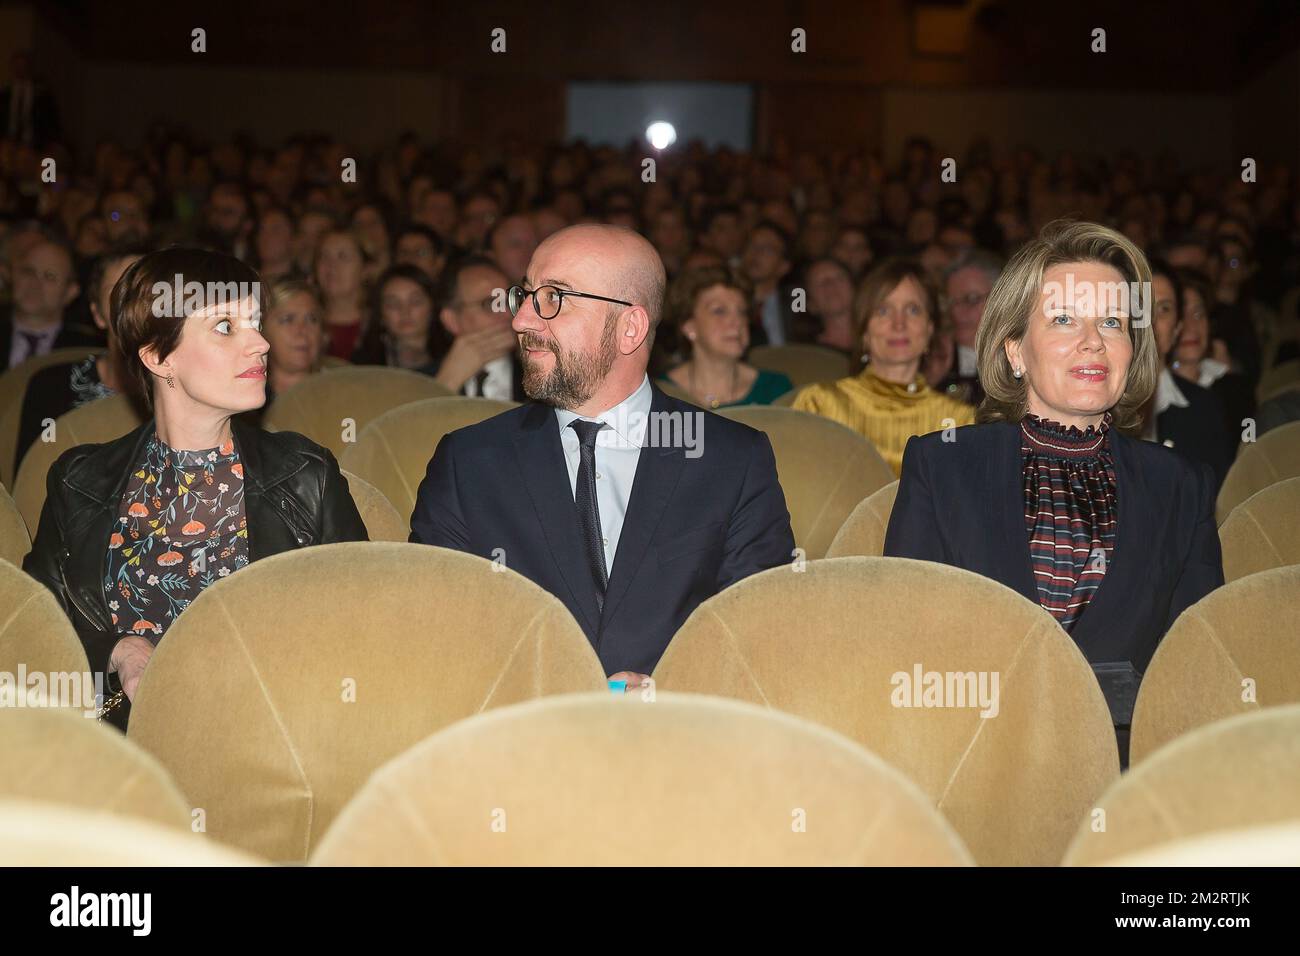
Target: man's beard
575 376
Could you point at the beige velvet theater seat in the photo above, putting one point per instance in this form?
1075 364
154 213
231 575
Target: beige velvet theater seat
13 386
1277 845
102 420
393 451
319 405
35 633
863 531
1278 379
825 469
802 364
1239 772
597 780
1274 457
381 519
278 691
37 834
1235 650
63 757
1263 531
15 542
844 642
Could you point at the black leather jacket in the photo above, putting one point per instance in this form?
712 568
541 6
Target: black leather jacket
294 497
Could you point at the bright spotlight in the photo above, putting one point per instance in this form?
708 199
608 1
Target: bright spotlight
661 135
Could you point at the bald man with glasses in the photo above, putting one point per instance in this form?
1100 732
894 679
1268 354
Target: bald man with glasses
628 505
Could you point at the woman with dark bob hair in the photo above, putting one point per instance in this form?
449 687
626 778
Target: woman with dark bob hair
1046 493
134 529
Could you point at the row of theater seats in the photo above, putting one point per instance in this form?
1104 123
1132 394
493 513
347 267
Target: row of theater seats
838 488
270 714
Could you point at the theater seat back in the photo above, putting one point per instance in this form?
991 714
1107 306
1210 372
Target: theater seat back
902 656
276 693
595 780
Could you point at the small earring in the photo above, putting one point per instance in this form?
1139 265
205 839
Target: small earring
171 383
1017 372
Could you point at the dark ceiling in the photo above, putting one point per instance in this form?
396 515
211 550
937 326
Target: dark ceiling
1175 46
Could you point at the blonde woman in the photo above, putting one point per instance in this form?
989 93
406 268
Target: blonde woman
294 329
889 401
1112 535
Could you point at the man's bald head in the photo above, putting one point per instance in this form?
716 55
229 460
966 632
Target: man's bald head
632 264
589 355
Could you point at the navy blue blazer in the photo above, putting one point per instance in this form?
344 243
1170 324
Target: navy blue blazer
693 525
962 503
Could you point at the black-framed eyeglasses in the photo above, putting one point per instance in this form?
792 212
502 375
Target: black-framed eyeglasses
547 299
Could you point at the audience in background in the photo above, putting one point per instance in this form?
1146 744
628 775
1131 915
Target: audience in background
889 401
830 288
421 247
339 273
710 310
482 359
44 285
273 244
782 219
1182 414
966 283
1202 359
402 331
766 261
294 328
57 389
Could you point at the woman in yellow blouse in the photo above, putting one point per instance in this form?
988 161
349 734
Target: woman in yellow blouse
890 401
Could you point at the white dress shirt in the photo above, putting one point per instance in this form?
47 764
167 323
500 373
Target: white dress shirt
618 449
1211 371
20 347
499 383
967 361
773 322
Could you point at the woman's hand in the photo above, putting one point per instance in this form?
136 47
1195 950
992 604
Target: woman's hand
471 351
129 658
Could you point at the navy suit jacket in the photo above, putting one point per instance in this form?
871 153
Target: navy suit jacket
1196 430
693 525
962 503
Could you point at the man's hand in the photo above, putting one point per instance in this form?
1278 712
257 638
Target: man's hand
471 351
634 680
129 659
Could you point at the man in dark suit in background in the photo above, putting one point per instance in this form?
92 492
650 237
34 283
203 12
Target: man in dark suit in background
45 283
482 360
629 506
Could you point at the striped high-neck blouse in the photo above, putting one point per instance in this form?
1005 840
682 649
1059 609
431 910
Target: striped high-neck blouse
1070 511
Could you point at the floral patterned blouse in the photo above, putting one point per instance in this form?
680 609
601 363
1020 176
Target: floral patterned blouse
181 526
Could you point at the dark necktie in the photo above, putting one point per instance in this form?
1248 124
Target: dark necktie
479 380
584 496
33 343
